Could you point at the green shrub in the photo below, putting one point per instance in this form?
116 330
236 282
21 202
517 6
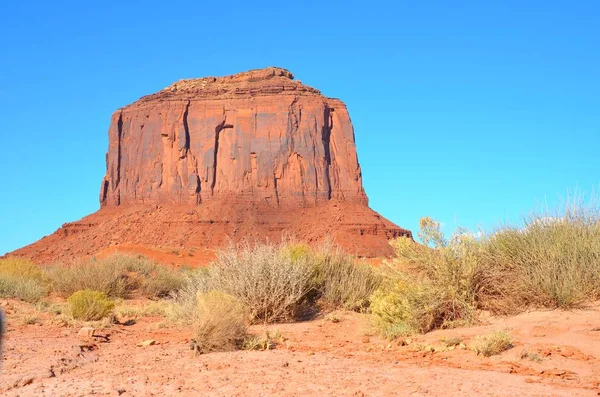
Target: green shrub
494 343
90 305
219 323
21 279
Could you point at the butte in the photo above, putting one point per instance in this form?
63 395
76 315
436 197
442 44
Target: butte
208 161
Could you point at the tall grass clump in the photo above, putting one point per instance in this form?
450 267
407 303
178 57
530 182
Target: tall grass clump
431 286
118 276
264 278
342 281
554 259
21 279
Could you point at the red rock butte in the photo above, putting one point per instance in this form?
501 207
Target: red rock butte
256 155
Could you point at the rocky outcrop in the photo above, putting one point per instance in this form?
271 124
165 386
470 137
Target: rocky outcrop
258 136
205 162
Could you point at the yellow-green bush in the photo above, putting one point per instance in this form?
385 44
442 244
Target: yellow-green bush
90 305
21 279
430 286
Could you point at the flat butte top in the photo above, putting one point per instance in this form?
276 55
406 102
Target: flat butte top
258 82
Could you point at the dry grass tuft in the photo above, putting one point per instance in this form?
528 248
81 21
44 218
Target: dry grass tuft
219 323
494 343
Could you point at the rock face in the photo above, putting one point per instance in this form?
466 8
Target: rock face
257 136
215 160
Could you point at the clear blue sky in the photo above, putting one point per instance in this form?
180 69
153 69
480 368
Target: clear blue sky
471 112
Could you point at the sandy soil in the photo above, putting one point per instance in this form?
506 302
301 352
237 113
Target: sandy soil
334 355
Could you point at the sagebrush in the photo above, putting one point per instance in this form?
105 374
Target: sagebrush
264 278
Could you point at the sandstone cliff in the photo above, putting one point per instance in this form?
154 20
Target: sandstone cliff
259 136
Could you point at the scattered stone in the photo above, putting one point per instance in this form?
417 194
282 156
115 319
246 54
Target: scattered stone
86 332
148 342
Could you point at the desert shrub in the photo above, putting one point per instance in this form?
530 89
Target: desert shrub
154 280
219 323
436 285
109 276
21 279
21 288
342 281
554 261
89 305
117 276
263 277
494 343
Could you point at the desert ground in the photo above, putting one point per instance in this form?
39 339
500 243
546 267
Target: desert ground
554 353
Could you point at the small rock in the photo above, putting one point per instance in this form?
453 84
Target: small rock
366 339
148 342
86 332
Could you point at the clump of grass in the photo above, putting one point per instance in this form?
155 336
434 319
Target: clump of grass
263 278
21 279
342 281
89 305
117 276
219 323
493 344
553 260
